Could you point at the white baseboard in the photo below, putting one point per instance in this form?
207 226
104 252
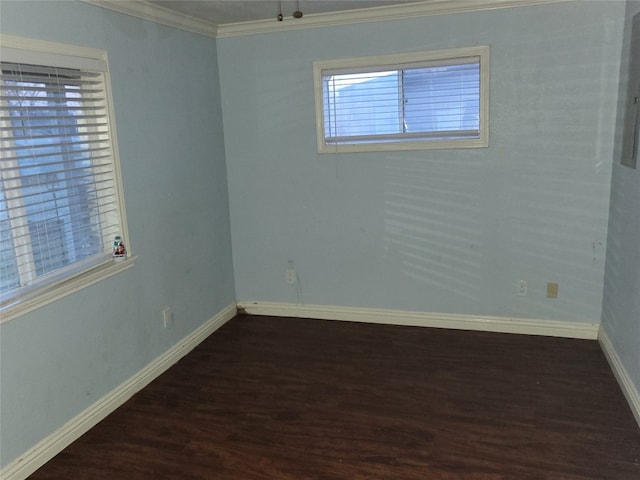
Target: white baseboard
527 326
622 376
46 449
50 446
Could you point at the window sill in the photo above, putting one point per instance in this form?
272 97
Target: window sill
51 293
481 142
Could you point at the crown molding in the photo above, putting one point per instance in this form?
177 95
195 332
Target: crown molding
374 14
157 14
164 16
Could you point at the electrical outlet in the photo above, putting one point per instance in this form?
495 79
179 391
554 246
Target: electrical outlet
523 288
552 290
167 317
291 276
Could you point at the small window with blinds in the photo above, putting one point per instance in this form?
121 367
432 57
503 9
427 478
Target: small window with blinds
60 204
403 102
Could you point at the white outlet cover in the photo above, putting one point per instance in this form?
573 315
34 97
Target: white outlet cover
291 275
523 288
167 316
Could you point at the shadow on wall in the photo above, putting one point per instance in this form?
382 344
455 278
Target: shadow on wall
468 230
433 225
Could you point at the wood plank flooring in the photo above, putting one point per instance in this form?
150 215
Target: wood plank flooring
278 398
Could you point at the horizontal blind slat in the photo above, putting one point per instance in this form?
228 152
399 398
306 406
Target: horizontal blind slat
13 170
413 136
24 59
20 131
54 118
56 154
109 209
58 196
418 101
102 190
15 150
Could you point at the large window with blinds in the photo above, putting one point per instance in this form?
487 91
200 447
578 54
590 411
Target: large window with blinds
403 102
60 199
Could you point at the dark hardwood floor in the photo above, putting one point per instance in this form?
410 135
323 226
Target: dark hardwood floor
277 398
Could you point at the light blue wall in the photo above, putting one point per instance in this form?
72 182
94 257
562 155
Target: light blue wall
621 305
437 231
58 360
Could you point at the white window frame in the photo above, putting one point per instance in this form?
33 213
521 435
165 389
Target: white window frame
81 274
397 61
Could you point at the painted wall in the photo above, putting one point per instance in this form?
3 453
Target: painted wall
57 361
621 305
437 231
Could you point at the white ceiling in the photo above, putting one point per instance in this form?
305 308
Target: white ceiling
224 12
224 18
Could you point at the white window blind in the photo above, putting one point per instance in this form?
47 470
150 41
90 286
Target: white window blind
59 202
428 100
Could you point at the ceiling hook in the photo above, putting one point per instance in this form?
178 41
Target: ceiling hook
297 13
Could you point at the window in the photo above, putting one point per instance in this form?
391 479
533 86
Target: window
60 200
631 131
403 102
